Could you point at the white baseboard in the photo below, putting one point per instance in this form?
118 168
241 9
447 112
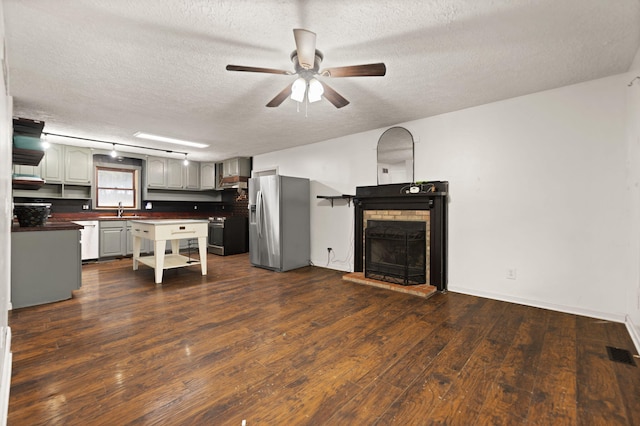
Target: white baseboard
5 371
544 305
634 332
332 265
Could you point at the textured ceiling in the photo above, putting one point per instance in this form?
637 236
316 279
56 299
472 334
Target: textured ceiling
107 69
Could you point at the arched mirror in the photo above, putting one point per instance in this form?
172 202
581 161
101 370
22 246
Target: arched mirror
395 156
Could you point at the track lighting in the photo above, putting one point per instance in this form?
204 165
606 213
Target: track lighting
185 162
113 152
45 143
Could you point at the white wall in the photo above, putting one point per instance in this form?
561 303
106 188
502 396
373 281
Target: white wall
633 187
6 215
6 212
537 183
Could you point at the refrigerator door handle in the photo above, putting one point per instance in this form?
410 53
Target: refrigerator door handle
259 212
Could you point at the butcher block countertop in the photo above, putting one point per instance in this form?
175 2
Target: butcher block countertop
62 221
49 226
93 215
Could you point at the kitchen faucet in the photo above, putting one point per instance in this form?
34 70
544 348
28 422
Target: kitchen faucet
120 209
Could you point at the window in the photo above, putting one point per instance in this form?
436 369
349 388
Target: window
114 186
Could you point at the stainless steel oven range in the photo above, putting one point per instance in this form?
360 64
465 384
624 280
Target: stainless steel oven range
228 235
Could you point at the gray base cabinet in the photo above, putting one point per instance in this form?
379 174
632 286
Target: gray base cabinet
116 239
113 238
46 266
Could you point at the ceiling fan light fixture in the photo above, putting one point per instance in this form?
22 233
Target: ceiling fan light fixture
298 89
315 90
306 63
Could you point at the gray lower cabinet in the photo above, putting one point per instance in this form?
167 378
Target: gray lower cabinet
116 240
46 266
113 239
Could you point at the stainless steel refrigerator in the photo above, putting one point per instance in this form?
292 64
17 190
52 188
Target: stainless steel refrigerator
279 222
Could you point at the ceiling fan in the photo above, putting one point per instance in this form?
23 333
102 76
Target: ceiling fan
306 60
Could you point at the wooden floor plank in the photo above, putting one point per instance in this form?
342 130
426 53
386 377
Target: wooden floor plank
510 395
554 394
304 347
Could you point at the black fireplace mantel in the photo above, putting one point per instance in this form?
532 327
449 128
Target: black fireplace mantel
430 196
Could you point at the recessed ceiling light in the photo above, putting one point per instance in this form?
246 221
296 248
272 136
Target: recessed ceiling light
142 135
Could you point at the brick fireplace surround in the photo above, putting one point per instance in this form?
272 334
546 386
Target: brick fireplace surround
395 202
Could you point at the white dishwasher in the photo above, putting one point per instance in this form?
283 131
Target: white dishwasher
89 238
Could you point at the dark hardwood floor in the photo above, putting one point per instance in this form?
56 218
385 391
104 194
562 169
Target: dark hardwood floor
306 347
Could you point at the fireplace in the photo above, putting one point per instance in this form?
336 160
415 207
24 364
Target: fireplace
395 251
419 207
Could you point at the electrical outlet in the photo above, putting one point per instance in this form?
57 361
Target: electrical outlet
511 273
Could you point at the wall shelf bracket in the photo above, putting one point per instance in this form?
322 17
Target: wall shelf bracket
337 197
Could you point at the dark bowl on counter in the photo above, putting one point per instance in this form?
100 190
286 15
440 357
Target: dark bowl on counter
32 214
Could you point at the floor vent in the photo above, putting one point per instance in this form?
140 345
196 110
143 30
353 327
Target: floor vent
620 355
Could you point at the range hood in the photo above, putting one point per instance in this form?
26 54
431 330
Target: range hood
237 182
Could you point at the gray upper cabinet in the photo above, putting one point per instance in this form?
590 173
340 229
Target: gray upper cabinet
67 171
239 166
78 165
53 164
156 172
192 176
171 173
208 176
175 174
67 164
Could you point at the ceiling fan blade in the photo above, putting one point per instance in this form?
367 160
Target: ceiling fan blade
368 70
334 97
306 47
280 97
257 69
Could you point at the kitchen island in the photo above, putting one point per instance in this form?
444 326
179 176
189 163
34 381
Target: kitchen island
46 263
163 230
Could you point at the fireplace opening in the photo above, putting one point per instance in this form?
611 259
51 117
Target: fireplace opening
395 251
